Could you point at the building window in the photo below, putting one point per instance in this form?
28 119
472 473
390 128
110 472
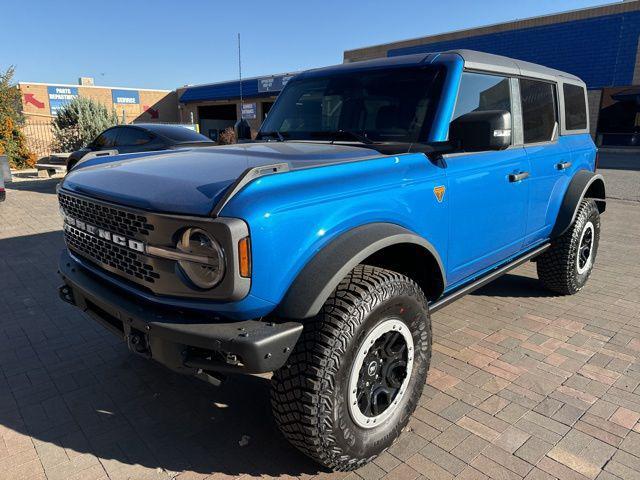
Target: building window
480 92
539 117
575 107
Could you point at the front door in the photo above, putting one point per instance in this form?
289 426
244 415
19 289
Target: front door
488 207
488 191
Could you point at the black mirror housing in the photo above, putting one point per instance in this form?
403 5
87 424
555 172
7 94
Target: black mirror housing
481 130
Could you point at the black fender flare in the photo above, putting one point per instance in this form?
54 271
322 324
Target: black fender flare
583 182
322 274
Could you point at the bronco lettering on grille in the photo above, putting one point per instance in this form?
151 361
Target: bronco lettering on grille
70 222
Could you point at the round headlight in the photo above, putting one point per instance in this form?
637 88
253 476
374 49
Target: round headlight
205 268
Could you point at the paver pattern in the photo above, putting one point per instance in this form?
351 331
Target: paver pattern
523 384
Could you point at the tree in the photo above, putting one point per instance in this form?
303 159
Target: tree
79 122
12 141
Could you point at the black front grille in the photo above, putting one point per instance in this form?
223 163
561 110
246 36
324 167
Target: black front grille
110 254
105 216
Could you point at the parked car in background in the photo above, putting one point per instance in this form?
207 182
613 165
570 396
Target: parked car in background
3 193
142 137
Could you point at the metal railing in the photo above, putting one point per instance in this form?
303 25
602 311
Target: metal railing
39 137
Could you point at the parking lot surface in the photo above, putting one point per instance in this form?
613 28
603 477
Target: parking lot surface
523 384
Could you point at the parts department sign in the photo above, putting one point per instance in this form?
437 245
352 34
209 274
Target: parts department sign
59 97
125 97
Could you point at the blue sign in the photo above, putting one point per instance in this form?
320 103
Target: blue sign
273 84
59 97
249 111
125 97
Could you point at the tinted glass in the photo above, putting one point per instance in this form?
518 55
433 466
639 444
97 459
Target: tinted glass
106 139
132 137
538 110
178 133
575 107
479 92
394 105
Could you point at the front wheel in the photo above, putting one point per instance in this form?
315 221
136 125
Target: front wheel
355 376
566 266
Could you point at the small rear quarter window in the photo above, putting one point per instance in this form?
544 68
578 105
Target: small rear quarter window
575 107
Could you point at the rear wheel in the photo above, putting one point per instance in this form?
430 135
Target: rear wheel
357 372
566 266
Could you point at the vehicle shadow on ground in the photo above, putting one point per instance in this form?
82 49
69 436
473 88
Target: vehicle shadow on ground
68 383
41 186
514 285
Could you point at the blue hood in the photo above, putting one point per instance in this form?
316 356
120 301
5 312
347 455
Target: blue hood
191 181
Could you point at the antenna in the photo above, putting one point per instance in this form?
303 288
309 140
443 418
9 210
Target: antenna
242 127
240 72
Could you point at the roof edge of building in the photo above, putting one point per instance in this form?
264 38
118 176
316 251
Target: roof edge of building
75 85
237 80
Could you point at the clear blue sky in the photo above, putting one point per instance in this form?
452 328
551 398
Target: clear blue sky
164 44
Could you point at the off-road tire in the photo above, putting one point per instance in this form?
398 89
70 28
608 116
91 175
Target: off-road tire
557 267
309 395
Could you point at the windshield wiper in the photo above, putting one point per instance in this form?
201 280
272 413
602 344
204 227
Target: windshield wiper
275 135
344 135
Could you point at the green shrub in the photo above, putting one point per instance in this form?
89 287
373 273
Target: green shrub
12 141
79 122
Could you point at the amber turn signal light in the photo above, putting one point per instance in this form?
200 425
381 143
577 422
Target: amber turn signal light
244 256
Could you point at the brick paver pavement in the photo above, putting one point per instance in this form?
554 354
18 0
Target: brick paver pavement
523 384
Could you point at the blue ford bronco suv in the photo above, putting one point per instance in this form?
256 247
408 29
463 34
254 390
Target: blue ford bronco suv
374 194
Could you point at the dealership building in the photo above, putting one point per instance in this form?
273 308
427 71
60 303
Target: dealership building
599 45
217 106
42 101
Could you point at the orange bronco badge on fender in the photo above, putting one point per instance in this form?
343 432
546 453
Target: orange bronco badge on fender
439 192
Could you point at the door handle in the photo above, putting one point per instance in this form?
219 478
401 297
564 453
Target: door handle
517 177
563 165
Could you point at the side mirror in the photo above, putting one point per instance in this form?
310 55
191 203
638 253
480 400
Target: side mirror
483 130
243 130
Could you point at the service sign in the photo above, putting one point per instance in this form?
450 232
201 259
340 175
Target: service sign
59 97
249 111
125 97
273 84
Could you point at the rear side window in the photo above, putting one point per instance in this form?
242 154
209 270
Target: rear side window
106 139
178 133
480 92
575 107
132 137
539 118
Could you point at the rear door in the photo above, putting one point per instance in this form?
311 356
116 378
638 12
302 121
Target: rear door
549 156
488 208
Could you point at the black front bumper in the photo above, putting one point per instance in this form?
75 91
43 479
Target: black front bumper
187 342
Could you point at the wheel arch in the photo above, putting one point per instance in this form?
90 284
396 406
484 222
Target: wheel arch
383 245
584 184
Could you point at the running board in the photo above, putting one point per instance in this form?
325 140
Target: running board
482 281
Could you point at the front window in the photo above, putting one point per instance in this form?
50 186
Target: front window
393 105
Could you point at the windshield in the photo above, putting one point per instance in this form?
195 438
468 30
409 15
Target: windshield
392 105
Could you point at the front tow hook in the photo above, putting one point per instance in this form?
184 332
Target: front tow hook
66 294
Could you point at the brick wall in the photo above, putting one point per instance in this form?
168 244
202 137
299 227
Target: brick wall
154 105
